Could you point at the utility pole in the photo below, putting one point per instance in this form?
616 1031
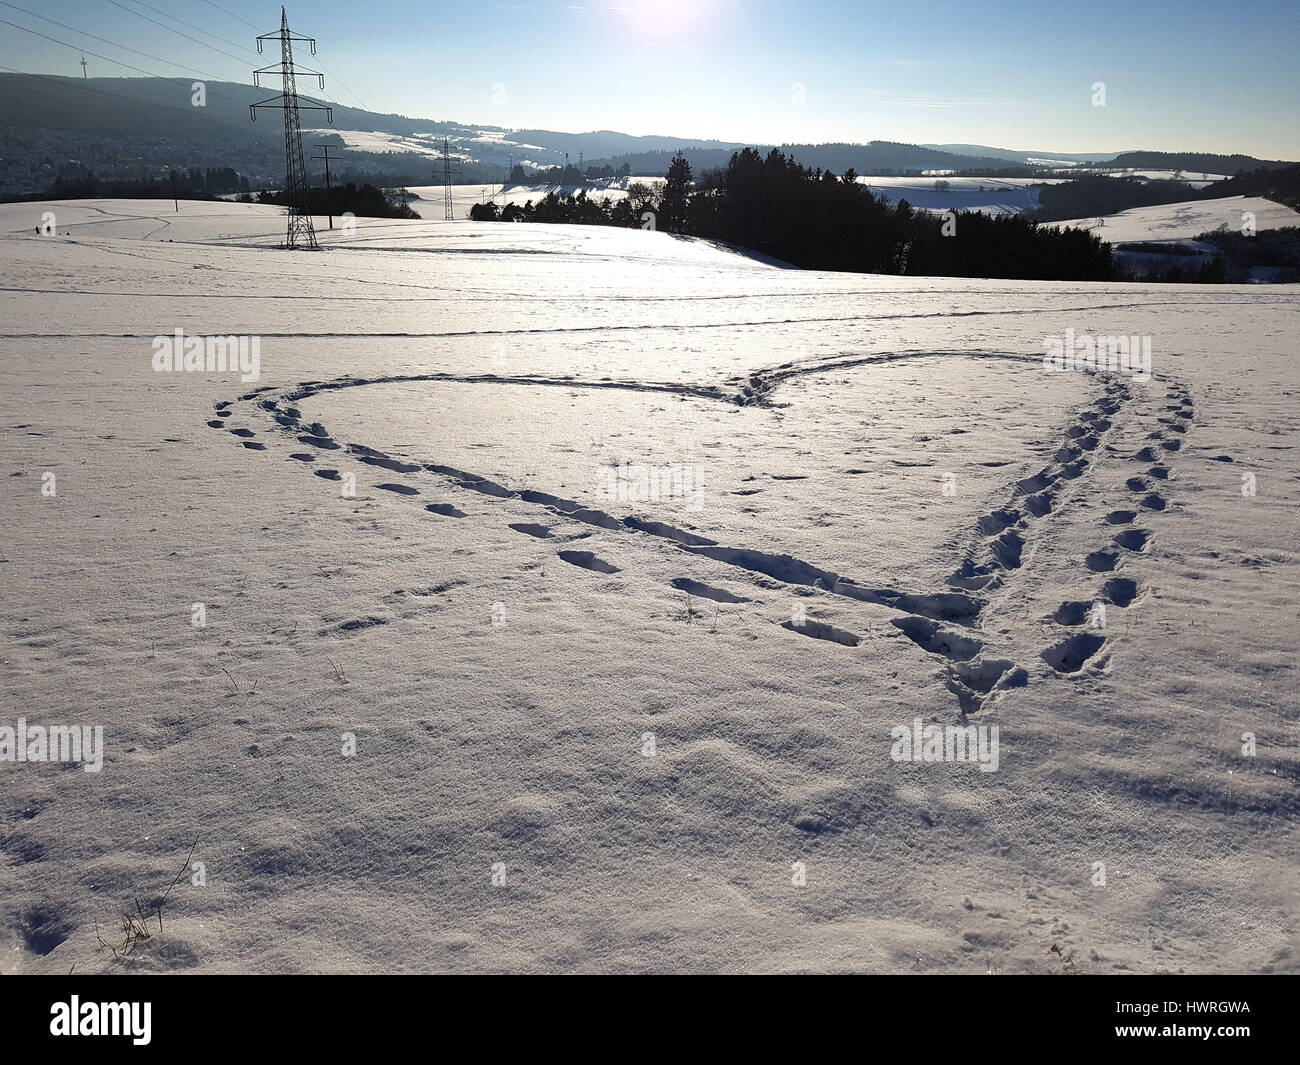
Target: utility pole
301 232
83 67
329 206
175 202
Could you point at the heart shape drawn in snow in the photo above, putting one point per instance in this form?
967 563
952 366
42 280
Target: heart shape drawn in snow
943 622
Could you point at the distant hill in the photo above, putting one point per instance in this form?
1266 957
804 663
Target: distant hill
1279 184
1011 155
1194 162
131 107
126 128
876 157
886 155
161 107
604 143
138 128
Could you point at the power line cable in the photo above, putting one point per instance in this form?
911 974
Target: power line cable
215 37
87 51
169 29
120 63
224 40
76 83
232 14
360 103
116 62
125 48
342 84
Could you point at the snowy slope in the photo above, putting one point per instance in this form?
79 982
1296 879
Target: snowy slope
996 196
601 700
1182 221
429 201
1194 178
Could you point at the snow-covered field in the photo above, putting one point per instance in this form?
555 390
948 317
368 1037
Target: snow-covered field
995 196
429 202
1182 221
1194 178
555 599
380 141
487 146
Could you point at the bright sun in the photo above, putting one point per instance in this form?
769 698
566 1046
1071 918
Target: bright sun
666 18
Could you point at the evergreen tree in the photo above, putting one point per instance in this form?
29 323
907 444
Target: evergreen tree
676 198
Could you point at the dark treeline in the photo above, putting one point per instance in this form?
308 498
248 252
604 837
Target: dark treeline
816 220
1277 251
1096 195
1101 194
1192 162
1172 268
364 201
883 158
75 182
192 184
1281 185
567 175
1002 172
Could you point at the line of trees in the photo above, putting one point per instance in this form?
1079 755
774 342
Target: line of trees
364 201
1276 250
1279 184
1097 195
1100 194
567 175
193 184
816 220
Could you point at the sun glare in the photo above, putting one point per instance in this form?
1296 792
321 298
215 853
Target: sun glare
667 18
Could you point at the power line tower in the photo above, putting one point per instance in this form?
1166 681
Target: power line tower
448 213
301 233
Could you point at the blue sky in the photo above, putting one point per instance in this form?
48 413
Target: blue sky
1208 75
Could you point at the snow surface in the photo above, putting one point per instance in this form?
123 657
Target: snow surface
503 639
428 144
429 202
487 146
994 196
1192 177
1181 221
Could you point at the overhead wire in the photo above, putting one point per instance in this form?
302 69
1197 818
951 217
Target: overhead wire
169 29
105 40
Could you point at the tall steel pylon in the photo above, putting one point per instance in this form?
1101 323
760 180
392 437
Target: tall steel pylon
301 232
447 210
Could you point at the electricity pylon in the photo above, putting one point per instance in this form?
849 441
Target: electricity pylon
297 190
447 173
